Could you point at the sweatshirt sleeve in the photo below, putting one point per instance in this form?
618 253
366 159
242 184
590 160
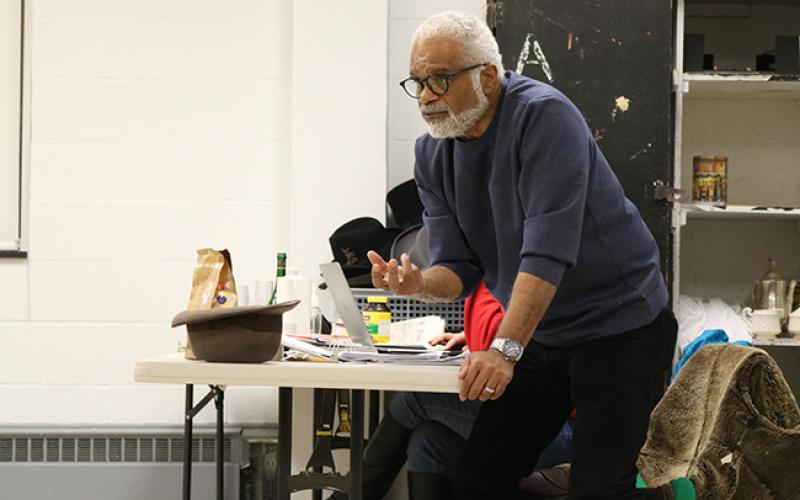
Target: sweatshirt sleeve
556 153
447 245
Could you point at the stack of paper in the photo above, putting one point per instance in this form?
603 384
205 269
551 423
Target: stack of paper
423 358
306 347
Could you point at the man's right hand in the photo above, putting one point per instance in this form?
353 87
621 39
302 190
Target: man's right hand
405 279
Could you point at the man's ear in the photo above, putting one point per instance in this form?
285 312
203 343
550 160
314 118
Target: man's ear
489 79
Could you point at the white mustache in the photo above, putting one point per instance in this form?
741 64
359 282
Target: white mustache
436 108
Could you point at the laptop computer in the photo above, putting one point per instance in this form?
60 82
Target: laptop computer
351 315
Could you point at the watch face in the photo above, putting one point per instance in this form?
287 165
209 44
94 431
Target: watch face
513 350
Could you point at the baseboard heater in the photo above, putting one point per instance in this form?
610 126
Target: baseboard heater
132 464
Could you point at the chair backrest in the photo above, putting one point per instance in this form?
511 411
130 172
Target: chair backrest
414 242
404 208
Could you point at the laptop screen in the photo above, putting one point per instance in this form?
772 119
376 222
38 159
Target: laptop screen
346 304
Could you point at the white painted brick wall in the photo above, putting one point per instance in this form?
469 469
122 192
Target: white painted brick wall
161 127
21 356
338 122
13 297
158 128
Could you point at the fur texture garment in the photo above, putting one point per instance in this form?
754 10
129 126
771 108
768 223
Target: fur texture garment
730 423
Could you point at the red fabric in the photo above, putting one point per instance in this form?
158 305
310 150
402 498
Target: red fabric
482 317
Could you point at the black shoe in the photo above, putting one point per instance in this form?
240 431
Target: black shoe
429 486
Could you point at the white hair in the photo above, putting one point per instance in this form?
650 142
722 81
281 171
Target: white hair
476 39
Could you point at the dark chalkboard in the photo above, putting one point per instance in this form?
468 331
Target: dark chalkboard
613 58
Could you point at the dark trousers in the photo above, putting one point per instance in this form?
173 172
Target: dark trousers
613 383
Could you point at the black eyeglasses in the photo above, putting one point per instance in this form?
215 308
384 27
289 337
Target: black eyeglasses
438 83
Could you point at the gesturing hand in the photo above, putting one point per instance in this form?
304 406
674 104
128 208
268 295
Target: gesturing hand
405 279
451 341
484 375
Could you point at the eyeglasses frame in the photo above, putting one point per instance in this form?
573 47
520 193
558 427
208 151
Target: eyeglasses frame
448 75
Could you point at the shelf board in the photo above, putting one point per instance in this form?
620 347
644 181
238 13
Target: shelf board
696 211
778 342
742 85
748 2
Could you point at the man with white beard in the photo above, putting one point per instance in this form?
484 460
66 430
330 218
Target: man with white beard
517 194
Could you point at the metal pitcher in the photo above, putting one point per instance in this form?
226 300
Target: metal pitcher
773 291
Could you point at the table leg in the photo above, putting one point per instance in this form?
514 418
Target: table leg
316 494
220 400
284 441
374 411
356 444
187 443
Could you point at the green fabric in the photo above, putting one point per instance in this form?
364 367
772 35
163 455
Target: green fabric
682 488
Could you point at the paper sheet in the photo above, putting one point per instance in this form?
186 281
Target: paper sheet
416 331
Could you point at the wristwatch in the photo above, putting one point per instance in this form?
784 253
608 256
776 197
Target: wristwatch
509 348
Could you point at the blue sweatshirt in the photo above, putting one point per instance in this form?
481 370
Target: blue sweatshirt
534 194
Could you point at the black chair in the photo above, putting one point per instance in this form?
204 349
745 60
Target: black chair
403 206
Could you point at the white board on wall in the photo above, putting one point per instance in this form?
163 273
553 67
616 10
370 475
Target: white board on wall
10 119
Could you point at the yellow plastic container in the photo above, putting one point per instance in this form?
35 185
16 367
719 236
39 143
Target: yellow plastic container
378 318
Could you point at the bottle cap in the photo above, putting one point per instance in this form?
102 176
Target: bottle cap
377 300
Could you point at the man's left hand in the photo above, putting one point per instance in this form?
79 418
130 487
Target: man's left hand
484 375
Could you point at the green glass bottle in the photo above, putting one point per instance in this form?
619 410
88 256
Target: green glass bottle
279 273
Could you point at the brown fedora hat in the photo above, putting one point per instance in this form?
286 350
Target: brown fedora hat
248 334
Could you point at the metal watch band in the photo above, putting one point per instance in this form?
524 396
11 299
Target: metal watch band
510 349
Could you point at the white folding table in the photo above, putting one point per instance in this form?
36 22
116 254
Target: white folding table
175 369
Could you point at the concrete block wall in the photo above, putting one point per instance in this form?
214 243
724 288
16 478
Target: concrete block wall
159 128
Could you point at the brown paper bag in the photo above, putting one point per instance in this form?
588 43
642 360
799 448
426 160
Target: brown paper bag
213 285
